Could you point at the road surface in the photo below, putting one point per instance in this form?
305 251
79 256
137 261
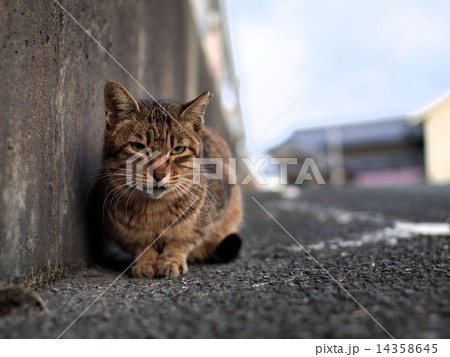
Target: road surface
377 266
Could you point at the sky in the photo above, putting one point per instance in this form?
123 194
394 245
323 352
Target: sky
290 77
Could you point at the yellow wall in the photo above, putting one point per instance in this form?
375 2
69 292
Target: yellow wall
437 143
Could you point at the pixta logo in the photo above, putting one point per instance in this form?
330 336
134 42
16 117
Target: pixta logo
148 171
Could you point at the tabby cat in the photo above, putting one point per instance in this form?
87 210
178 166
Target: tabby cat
164 210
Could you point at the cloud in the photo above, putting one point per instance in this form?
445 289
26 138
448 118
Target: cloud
281 48
413 31
270 67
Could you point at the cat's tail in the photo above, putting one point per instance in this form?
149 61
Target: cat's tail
226 250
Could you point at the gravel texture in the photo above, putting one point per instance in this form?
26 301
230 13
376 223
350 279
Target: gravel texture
274 289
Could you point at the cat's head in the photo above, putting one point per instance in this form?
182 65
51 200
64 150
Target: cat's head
151 145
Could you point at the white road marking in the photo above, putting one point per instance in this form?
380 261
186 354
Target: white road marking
391 235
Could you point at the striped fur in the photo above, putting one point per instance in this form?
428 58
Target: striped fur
211 209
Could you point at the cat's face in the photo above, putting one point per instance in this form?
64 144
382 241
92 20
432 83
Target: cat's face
151 147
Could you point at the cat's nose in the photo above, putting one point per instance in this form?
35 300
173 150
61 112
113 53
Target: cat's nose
159 173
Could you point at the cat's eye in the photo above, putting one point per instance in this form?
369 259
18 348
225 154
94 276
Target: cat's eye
178 150
137 146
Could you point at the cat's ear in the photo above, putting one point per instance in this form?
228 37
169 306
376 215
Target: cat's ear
118 102
194 110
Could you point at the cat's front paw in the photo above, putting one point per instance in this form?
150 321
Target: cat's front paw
171 267
143 270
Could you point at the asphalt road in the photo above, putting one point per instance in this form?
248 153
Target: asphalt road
367 241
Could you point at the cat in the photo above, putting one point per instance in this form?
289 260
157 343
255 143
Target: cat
165 211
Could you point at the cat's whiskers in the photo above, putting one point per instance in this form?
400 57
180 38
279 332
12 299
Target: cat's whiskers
193 196
111 181
106 198
183 195
115 176
209 192
117 201
207 210
207 196
129 197
200 189
195 201
101 176
120 176
197 173
189 193
179 192
118 192
208 189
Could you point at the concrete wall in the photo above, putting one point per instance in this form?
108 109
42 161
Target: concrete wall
52 117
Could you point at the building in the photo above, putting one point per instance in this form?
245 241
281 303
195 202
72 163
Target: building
436 123
374 153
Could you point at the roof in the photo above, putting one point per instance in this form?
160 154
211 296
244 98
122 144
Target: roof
427 111
376 133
